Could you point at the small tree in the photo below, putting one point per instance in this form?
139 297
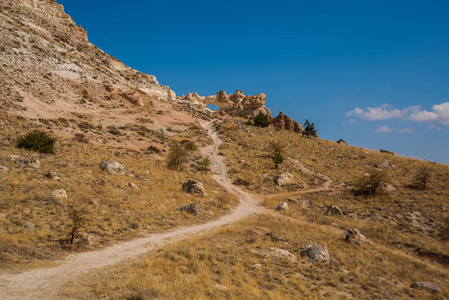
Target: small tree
277 156
79 220
422 177
309 129
176 157
370 183
37 140
262 120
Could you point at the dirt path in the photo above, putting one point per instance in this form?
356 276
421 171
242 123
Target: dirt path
46 283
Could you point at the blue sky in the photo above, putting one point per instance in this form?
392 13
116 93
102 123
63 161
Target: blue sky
375 73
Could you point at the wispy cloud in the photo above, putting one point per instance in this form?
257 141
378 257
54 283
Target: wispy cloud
383 129
435 127
386 128
439 113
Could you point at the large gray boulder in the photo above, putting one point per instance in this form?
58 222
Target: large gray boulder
113 167
315 253
194 187
283 178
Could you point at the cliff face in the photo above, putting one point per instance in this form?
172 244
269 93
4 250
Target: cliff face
48 68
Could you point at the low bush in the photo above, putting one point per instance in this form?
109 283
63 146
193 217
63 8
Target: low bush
370 183
37 140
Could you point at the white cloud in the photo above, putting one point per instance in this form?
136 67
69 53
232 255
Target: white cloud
405 130
382 129
435 127
439 113
377 113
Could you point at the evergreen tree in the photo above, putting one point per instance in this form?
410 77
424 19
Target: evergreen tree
262 120
309 129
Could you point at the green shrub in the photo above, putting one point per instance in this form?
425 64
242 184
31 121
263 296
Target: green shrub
262 120
37 140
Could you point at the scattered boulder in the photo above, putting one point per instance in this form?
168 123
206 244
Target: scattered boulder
133 186
342 142
277 254
194 187
31 162
3 169
382 165
426 286
315 253
190 208
52 175
275 238
28 225
333 210
386 152
282 206
59 194
353 236
283 178
305 203
112 167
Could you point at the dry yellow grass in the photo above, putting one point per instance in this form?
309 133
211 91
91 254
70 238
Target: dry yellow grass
121 212
224 265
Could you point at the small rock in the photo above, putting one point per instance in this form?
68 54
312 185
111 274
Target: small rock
59 194
305 203
3 169
134 225
426 286
32 162
93 202
276 238
112 167
283 178
194 187
315 253
333 210
190 208
342 142
278 254
28 225
212 203
353 236
282 206
221 153
52 175
14 158
132 185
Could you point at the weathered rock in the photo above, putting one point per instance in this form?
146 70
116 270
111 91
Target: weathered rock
52 175
28 225
3 169
194 187
386 152
133 186
383 165
426 286
93 202
284 178
333 210
315 253
305 203
112 167
276 238
277 254
286 123
342 142
134 98
282 206
190 208
15 158
59 194
32 162
353 236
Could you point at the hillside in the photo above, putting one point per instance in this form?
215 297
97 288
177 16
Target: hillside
309 227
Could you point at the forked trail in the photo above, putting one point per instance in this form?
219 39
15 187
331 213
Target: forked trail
46 283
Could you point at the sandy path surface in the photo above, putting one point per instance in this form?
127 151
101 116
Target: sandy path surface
46 283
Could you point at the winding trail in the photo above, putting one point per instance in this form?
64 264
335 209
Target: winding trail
46 283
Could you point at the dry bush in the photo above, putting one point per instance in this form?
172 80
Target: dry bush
177 157
370 183
422 177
